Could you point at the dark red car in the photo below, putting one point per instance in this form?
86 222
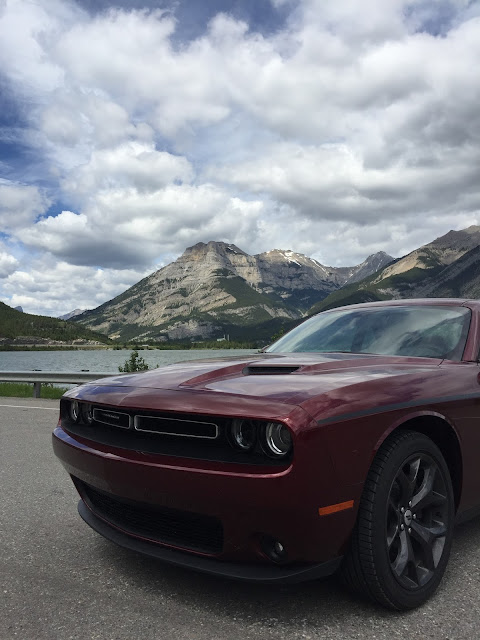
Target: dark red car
351 443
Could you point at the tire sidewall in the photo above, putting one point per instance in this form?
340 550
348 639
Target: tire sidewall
399 596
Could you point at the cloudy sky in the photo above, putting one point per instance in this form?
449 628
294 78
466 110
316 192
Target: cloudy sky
131 130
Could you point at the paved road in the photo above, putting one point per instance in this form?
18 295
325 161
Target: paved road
59 580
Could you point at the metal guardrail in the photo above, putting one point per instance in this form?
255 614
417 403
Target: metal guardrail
57 377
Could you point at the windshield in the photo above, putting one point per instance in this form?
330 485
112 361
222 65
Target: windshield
421 331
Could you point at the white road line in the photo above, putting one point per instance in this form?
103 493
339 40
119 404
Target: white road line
27 406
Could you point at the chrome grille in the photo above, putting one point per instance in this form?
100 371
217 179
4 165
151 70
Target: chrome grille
176 427
112 418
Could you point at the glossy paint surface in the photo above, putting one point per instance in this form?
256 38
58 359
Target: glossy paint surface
339 409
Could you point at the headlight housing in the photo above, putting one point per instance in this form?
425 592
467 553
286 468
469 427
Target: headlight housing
75 411
243 434
276 440
87 413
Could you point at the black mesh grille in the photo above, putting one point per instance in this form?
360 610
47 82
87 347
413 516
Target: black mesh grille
183 529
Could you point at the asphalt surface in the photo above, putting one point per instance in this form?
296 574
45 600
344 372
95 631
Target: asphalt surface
60 580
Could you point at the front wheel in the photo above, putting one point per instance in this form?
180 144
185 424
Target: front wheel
401 543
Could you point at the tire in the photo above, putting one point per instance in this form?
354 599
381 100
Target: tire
401 542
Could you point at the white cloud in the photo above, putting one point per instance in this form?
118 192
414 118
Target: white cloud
8 262
129 55
20 205
27 31
352 129
130 164
75 118
55 288
129 228
331 182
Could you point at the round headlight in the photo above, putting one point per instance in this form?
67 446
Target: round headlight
277 440
75 411
87 413
243 434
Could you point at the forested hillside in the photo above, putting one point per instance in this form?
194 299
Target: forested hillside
14 324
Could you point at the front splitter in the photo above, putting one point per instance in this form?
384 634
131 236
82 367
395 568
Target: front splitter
263 573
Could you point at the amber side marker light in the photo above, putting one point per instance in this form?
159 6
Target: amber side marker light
335 508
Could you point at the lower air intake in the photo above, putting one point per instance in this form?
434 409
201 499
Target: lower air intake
182 529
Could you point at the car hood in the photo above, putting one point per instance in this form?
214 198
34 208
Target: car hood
286 378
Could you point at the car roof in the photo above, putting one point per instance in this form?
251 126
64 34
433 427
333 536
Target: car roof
412 302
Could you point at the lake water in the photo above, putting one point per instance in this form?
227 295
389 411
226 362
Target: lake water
103 361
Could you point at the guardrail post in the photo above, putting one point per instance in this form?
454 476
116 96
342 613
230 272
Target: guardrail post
36 389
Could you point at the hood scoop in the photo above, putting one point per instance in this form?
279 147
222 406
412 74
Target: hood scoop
266 370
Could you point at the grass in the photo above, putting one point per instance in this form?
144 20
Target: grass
25 390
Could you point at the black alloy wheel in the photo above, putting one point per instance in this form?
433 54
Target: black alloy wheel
401 543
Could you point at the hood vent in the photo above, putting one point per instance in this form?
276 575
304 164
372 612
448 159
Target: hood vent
256 370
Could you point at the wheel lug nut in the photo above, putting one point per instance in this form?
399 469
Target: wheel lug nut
402 510
410 503
402 527
414 516
409 530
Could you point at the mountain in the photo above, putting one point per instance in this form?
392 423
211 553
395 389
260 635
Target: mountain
216 288
72 314
297 279
372 264
460 279
446 267
17 327
441 252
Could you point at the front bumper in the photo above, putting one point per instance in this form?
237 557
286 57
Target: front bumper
251 506
264 573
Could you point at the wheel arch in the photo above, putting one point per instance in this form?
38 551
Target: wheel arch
441 432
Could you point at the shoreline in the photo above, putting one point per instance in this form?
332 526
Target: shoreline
187 347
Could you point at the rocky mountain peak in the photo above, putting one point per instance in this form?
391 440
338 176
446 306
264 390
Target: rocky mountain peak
286 255
462 240
474 228
214 287
281 253
222 248
71 314
374 263
204 259
440 252
379 255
